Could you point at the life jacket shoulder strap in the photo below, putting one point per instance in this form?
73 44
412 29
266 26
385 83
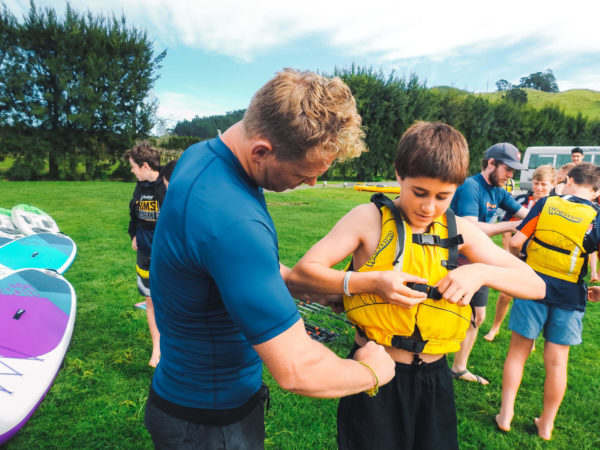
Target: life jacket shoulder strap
451 242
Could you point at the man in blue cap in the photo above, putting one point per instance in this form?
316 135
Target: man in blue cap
477 199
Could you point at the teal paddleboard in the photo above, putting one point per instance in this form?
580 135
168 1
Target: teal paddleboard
52 251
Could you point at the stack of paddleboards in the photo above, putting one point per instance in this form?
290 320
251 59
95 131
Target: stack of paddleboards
37 311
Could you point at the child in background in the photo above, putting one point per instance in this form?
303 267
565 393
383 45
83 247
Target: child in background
560 232
144 208
544 178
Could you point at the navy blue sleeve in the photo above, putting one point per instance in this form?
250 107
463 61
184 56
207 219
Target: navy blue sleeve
466 200
244 262
508 203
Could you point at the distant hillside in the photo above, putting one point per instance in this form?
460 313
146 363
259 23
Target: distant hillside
572 102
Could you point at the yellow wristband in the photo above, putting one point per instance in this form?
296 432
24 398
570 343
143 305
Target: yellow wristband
373 391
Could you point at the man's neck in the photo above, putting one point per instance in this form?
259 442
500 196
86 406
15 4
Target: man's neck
235 139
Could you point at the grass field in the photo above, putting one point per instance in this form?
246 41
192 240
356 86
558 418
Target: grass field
98 398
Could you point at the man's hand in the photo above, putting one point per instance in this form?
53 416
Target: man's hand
134 244
391 287
459 285
379 360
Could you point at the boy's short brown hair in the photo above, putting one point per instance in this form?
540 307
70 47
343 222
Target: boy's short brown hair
300 111
586 174
433 150
545 172
144 153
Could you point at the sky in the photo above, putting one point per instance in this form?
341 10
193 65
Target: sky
220 52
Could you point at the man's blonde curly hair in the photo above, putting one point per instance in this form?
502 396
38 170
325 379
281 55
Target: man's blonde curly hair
298 112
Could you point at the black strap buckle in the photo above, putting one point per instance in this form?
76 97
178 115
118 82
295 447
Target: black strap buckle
431 291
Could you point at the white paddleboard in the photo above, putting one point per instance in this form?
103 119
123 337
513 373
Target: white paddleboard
37 316
30 220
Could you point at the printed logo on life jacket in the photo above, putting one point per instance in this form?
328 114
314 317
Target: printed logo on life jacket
557 212
490 206
387 239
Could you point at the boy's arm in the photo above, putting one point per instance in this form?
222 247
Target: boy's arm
492 266
516 243
314 273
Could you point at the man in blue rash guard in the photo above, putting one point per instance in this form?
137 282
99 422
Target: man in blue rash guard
477 200
221 301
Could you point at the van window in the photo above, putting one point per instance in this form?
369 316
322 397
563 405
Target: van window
536 161
563 159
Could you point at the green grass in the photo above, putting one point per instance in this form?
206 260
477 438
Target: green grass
572 102
98 398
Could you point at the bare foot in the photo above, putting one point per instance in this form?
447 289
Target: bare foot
543 431
502 424
491 335
154 359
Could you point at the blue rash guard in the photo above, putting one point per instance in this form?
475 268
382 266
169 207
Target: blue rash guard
476 197
215 282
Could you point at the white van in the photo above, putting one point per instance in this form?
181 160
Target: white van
556 156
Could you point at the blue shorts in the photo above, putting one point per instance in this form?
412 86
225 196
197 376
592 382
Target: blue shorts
561 326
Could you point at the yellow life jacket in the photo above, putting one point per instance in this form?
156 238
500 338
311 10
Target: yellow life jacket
556 247
435 326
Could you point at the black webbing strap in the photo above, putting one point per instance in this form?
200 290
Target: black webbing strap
452 262
383 200
553 247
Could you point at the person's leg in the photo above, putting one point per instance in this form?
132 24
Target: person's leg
556 357
461 357
154 334
502 306
518 351
143 283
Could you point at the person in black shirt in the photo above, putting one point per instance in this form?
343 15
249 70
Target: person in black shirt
144 208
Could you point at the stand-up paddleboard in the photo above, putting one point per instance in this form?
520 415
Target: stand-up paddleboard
39 251
8 231
37 315
29 220
377 188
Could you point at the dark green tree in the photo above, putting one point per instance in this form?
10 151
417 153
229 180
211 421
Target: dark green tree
541 81
78 84
515 95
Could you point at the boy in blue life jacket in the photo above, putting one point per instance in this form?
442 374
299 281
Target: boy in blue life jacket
403 290
559 232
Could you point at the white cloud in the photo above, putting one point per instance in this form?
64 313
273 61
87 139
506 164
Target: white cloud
391 29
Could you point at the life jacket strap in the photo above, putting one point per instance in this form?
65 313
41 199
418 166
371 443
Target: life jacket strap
431 291
555 248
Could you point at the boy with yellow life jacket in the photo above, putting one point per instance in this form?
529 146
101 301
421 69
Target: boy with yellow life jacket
403 289
559 233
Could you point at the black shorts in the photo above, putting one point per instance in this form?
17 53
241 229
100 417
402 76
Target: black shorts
415 410
480 298
171 432
142 270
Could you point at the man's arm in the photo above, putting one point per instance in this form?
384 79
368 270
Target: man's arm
303 366
492 229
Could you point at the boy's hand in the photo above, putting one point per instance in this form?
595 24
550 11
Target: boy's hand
594 294
134 243
459 285
391 287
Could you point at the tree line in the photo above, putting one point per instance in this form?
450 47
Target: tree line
73 91
389 104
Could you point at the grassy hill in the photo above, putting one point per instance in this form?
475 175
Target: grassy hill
572 102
